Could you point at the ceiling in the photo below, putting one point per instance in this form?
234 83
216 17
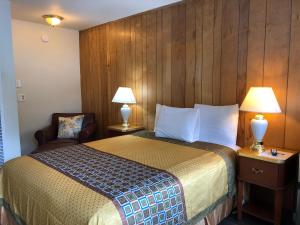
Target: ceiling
82 14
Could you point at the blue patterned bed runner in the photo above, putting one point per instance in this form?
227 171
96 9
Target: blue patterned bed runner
142 194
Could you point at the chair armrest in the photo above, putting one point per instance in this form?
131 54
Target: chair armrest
87 133
45 135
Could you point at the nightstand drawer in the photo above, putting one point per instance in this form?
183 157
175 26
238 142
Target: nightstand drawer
258 172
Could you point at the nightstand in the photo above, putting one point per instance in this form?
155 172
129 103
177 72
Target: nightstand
275 173
118 130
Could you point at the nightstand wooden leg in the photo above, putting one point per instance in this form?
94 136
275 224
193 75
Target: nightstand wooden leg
278 207
240 199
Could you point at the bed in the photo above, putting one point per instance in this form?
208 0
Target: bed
131 179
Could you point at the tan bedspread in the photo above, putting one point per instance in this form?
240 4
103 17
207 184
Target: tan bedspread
40 195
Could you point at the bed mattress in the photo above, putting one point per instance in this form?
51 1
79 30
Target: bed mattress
132 179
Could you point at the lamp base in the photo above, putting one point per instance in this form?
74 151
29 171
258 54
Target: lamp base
259 127
125 112
125 125
257 147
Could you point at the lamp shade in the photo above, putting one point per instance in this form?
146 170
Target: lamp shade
124 95
260 100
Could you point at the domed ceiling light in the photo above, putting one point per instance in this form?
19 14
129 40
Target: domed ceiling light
53 20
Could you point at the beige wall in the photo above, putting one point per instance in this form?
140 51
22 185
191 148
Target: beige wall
50 75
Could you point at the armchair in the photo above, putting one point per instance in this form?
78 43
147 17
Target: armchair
47 137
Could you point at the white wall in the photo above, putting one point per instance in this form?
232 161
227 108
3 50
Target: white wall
8 104
50 75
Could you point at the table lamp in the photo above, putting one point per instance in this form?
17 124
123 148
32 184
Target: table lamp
260 100
124 95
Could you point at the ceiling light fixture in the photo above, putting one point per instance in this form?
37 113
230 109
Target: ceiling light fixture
53 20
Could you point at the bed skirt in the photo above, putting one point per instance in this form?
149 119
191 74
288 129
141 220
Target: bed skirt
215 217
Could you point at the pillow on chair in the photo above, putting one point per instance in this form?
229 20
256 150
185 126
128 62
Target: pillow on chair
69 127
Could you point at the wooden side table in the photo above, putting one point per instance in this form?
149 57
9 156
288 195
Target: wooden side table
118 130
276 173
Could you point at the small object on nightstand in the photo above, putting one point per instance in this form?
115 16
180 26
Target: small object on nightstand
264 171
119 129
274 151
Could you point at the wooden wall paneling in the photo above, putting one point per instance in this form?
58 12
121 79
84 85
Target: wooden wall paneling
292 127
199 51
96 92
89 80
217 51
242 65
109 70
120 67
151 68
95 80
144 80
256 42
178 55
103 78
255 54
129 61
139 70
276 64
120 64
112 72
133 66
208 52
121 57
230 25
166 55
83 67
97 83
159 69
190 53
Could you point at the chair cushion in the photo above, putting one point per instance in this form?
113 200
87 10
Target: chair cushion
57 143
87 120
69 127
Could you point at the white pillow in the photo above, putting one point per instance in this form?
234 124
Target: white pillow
218 124
158 108
177 123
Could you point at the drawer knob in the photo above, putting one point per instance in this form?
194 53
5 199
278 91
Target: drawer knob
257 171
